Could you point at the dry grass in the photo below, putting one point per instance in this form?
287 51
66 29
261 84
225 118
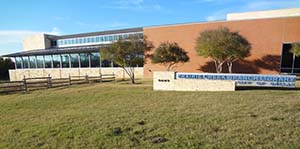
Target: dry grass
122 115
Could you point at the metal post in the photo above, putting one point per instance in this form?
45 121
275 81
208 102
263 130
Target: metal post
70 61
100 60
36 65
90 64
79 63
44 65
22 63
16 63
28 62
293 64
60 61
52 65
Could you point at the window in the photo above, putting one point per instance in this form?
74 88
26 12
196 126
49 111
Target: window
84 40
125 36
84 60
95 59
93 39
97 39
89 40
140 35
76 41
56 61
48 61
105 38
65 60
32 62
74 61
40 61
25 62
110 38
80 40
105 63
53 43
289 62
65 42
116 37
19 62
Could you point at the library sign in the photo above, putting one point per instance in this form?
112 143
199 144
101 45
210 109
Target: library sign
245 80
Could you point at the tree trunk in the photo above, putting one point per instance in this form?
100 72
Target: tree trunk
132 78
130 73
219 66
216 66
170 66
229 64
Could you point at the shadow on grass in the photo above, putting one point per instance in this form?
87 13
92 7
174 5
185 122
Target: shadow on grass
265 88
138 81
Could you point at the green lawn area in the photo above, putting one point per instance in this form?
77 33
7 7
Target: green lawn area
121 115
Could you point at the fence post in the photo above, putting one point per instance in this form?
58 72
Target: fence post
49 81
114 76
24 84
100 78
70 81
86 78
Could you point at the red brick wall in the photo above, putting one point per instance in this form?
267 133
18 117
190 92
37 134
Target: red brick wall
265 35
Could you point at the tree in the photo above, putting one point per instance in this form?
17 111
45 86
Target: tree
169 54
5 65
222 46
295 50
127 53
238 48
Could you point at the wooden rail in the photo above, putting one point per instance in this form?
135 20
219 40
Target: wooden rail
29 84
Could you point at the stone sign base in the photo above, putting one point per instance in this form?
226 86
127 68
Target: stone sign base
166 81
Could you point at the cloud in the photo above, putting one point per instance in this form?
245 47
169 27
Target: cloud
11 40
218 15
134 5
112 25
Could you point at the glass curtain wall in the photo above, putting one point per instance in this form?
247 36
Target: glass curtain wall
65 61
84 60
40 61
74 60
48 61
32 61
19 62
56 61
95 59
25 62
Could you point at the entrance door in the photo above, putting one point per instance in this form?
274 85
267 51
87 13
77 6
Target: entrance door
290 64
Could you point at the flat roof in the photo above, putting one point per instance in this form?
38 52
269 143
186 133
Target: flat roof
291 12
129 30
66 50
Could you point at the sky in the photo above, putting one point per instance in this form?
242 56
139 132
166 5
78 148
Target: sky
21 18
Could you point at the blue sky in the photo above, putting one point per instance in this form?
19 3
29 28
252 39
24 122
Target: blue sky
23 17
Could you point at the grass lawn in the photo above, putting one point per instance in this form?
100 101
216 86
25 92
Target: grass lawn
121 115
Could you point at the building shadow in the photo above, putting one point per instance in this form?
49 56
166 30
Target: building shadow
242 66
268 62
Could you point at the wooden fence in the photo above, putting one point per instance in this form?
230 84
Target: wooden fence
30 84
